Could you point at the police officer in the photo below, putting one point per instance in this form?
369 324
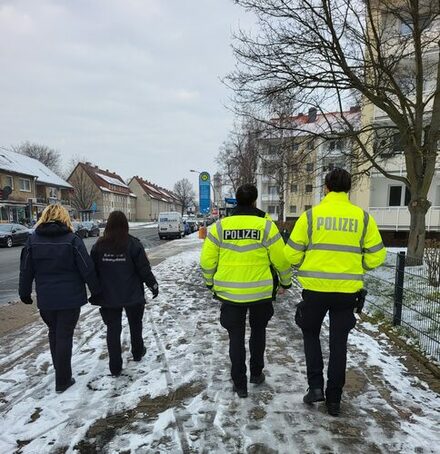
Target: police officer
333 244
243 264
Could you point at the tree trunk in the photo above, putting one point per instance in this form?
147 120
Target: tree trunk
416 241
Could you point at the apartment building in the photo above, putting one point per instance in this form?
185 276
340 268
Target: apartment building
311 148
27 187
384 198
98 192
152 199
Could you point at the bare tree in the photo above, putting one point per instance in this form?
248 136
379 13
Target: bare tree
48 156
238 156
185 193
85 191
382 55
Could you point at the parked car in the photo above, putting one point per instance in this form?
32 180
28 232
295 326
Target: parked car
193 225
79 229
170 225
11 234
92 228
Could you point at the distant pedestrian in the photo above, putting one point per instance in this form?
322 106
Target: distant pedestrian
333 244
243 264
58 261
123 268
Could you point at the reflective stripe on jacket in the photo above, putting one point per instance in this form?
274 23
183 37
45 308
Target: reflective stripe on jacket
333 244
237 258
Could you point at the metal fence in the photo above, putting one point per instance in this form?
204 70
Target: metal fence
410 298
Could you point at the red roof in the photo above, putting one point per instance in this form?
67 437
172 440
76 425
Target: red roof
157 192
105 179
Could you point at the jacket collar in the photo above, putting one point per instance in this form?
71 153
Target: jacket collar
341 197
52 229
240 210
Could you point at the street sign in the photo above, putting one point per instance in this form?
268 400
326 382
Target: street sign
205 193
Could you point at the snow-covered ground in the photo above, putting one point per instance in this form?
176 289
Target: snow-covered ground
179 398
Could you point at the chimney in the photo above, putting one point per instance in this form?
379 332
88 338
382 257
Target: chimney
312 115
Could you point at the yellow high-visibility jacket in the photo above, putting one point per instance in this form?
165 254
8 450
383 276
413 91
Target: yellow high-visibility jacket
333 244
239 256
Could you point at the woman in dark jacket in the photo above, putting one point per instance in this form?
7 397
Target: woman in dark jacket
58 261
123 268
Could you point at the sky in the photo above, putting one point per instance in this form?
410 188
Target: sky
132 85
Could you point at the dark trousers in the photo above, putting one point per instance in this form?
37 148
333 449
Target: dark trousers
112 317
309 316
233 318
61 326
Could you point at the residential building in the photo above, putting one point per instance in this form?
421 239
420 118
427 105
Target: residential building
311 149
28 186
384 198
152 199
98 192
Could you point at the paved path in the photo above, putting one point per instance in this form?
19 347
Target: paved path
179 398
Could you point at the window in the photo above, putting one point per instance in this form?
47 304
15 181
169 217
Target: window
407 25
295 146
309 188
395 196
310 145
271 209
397 143
307 207
9 181
293 208
273 190
53 193
309 167
335 144
293 188
25 184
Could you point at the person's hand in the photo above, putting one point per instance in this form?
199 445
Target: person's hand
26 299
154 290
96 299
281 291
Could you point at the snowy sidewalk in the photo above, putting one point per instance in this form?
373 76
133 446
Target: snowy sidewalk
179 398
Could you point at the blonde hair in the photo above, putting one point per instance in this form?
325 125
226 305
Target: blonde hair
54 213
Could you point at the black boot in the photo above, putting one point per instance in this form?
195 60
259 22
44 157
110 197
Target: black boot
333 408
138 358
61 389
241 392
314 395
257 379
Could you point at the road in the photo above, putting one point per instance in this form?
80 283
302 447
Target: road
10 260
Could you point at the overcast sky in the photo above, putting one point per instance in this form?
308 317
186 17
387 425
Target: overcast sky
134 85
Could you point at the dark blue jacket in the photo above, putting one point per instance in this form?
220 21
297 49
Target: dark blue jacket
58 261
122 276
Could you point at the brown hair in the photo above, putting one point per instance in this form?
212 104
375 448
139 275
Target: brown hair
115 238
55 213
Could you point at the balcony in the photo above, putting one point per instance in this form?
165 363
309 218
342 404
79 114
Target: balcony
270 197
398 218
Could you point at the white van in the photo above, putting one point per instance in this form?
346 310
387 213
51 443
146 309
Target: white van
170 225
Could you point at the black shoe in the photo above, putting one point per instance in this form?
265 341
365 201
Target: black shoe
140 357
241 392
333 408
257 379
314 395
61 389
116 373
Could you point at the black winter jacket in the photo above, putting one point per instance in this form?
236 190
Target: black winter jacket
122 275
58 261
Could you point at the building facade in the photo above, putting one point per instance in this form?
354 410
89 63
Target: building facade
98 192
309 150
27 187
152 199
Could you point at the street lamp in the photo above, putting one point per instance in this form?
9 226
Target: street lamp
213 190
